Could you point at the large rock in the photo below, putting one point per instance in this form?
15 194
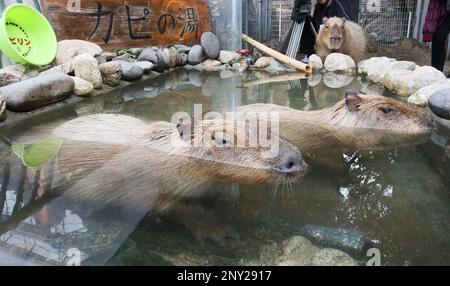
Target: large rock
315 62
376 68
406 82
37 92
421 96
299 251
210 44
229 57
130 71
2 108
111 73
69 49
337 62
439 103
83 88
85 67
195 55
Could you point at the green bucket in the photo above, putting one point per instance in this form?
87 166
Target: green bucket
26 36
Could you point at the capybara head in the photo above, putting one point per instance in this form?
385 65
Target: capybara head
333 34
231 151
381 119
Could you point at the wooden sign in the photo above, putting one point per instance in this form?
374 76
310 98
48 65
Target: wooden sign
131 23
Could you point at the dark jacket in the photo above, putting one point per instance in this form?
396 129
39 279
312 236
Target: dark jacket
333 8
437 10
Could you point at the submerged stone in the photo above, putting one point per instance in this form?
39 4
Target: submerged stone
439 103
37 92
349 240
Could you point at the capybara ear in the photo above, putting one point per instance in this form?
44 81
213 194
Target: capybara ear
352 100
324 19
344 19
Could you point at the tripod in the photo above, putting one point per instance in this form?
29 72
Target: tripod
300 13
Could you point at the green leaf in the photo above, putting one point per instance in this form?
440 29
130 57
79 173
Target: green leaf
38 154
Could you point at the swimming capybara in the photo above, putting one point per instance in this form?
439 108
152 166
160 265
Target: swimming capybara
339 35
359 122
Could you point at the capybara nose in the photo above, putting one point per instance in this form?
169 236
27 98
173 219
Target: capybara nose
290 164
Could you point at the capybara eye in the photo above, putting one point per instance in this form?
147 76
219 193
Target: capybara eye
386 110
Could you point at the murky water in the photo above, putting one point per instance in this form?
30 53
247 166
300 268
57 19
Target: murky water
399 198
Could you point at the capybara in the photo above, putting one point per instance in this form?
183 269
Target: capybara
339 35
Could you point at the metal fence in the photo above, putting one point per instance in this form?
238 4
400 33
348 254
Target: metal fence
390 20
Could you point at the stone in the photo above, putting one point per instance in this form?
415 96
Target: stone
315 62
173 56
210 44
149 55
337 80
348 240
145 66
229 57
9 77
334 257
182 49
66 68
100 59
376 68
86 67
262 62
16 71
195 55
111 73
2 108
421 96
183 59
83 88
439 103
240 67
337 62
125 57
164 60
37 92
407 82
69 49
212 65
108 55
299 251
130 71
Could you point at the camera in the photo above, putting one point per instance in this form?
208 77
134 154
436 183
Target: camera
302 8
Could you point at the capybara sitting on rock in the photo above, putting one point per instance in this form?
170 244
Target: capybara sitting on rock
341 36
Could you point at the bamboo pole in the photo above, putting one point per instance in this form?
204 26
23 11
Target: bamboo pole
277 55
276 78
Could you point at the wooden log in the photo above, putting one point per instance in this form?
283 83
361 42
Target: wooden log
278 56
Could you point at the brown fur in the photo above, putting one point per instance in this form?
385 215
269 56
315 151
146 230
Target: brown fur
351 125
352 41
111 159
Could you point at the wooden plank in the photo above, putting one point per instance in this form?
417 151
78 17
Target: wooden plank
131 23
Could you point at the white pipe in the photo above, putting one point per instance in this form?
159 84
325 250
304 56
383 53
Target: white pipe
409 24
281 7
